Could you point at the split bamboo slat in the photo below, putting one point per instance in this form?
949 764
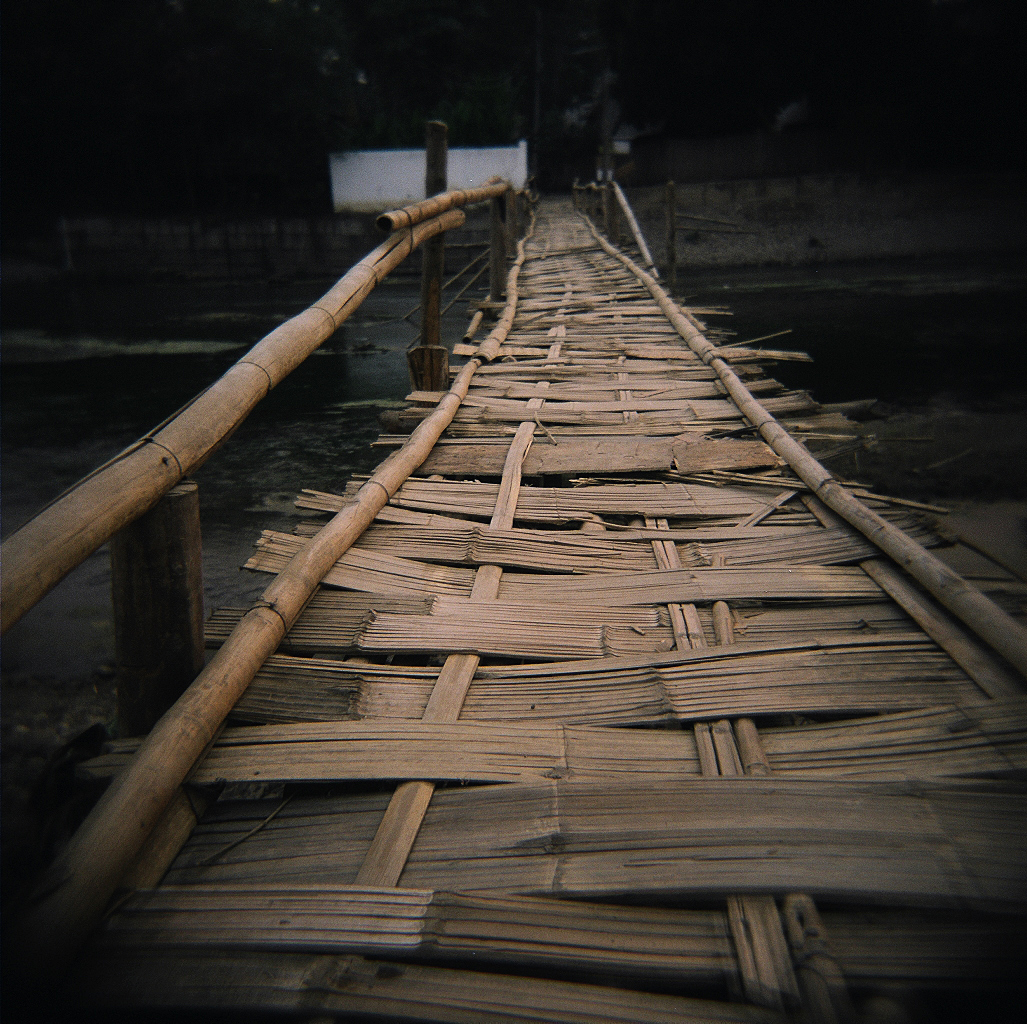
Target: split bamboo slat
600 685
945 846
688 946
983 740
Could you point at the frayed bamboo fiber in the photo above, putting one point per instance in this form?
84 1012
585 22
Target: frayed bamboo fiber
998 629
84 876
60 537
415 213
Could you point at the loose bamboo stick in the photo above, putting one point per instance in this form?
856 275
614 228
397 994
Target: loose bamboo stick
60 537
86 873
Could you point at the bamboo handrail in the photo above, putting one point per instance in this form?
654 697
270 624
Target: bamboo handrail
489 348
81 881
636 231
999 630
415 213
86 516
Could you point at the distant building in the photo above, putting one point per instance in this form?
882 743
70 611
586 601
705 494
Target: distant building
380 179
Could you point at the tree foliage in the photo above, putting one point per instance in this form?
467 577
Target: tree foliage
225 106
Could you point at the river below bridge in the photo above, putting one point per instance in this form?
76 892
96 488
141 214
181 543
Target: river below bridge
86 370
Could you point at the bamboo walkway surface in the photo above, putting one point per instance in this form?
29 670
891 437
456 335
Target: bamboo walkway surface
606 717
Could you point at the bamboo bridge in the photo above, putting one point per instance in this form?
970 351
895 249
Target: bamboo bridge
600 700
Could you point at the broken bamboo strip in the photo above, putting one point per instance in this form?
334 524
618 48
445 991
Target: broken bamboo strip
83 877
671 500
58 538
998 629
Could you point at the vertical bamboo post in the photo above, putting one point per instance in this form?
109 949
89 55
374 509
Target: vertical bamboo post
429 360
672 252
157 590
608 211
513 227
497 249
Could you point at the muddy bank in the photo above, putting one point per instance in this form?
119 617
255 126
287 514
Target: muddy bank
822 219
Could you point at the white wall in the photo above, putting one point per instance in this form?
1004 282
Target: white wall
383 179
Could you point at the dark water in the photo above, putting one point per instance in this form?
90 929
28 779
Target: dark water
74 396
904 332
85 372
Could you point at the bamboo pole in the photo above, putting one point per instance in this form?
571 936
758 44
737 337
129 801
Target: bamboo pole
672 254
415 213
157 591
998 629
65 533
426 371
497 248
489 348
609 214
636 231
82 879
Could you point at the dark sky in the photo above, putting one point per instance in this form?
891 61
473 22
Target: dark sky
231 105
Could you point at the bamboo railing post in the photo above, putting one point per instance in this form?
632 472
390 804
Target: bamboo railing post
511 218
497 248
609 214
627 216
157 591
672 253
429 361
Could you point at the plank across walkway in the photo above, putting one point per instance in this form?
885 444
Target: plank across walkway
606 717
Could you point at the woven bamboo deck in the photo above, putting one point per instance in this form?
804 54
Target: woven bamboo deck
605 718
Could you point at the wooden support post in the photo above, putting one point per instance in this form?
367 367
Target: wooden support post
157 588
497 249
513 226
672 252
609 212
429 361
